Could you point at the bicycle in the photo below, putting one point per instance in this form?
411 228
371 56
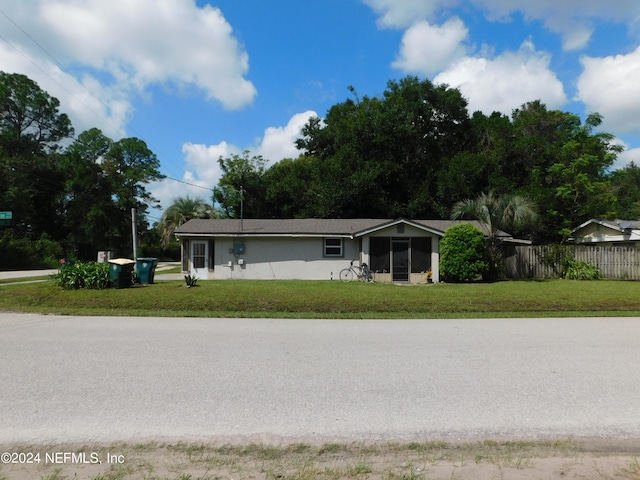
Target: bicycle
362 273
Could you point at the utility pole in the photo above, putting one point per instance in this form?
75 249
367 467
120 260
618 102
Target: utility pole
134 233
241 208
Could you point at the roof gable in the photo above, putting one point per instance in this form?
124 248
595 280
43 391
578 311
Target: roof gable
599 230
416 224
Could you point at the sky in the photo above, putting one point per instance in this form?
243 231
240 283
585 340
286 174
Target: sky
200 79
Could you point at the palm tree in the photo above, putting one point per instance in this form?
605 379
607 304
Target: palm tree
181 210
497 213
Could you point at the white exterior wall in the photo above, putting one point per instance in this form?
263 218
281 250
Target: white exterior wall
281 258
300 258
596 234
595 231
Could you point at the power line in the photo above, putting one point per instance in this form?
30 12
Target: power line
31 38
55 80
63 69
187 183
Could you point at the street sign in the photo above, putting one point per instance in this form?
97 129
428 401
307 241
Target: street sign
5 219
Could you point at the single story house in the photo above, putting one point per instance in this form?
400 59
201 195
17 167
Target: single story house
607 232
399 250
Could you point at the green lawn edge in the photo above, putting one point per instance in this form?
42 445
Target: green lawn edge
333 300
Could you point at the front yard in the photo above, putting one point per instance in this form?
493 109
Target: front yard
326 299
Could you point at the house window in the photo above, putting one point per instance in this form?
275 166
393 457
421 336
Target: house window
211 254
185 255
333 247
420 254
379 254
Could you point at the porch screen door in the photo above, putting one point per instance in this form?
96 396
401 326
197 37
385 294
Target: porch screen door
400 261
199 256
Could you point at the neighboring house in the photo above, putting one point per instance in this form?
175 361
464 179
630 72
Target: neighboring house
398 250
607 232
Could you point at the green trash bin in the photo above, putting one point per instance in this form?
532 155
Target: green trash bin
146 269
120 270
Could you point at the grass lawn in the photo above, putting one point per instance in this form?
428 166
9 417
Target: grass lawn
327 299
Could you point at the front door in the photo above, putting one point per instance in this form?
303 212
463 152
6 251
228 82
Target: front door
400 260
199 259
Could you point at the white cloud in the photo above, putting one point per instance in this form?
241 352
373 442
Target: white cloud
404 13
626 157
118 49
610 86
428 49
202 168
202 173
88 103
505 82
278 142
154 42
572 19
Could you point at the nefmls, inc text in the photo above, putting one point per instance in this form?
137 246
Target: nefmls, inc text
72 457
81 458
60 458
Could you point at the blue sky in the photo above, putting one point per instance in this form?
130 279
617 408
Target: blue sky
200 79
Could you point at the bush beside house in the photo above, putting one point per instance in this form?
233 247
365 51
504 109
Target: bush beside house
463 254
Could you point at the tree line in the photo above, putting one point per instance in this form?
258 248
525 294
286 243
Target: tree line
415 151
68 195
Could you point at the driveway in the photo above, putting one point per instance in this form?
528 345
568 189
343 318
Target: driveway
116 378
9 275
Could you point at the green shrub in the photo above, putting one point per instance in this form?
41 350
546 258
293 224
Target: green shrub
191 281
91 275
47 252
463 254
579 270
24 253
562 259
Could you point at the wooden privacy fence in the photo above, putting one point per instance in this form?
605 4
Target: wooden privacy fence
614 262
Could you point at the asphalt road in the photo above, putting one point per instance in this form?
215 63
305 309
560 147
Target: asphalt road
105 379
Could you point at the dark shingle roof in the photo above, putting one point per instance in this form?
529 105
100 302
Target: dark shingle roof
622 224
305 226
302 226
618 224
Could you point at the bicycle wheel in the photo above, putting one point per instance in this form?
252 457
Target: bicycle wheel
367 274
346 275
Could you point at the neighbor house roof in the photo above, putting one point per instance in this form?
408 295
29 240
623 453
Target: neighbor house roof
320 227
600 230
